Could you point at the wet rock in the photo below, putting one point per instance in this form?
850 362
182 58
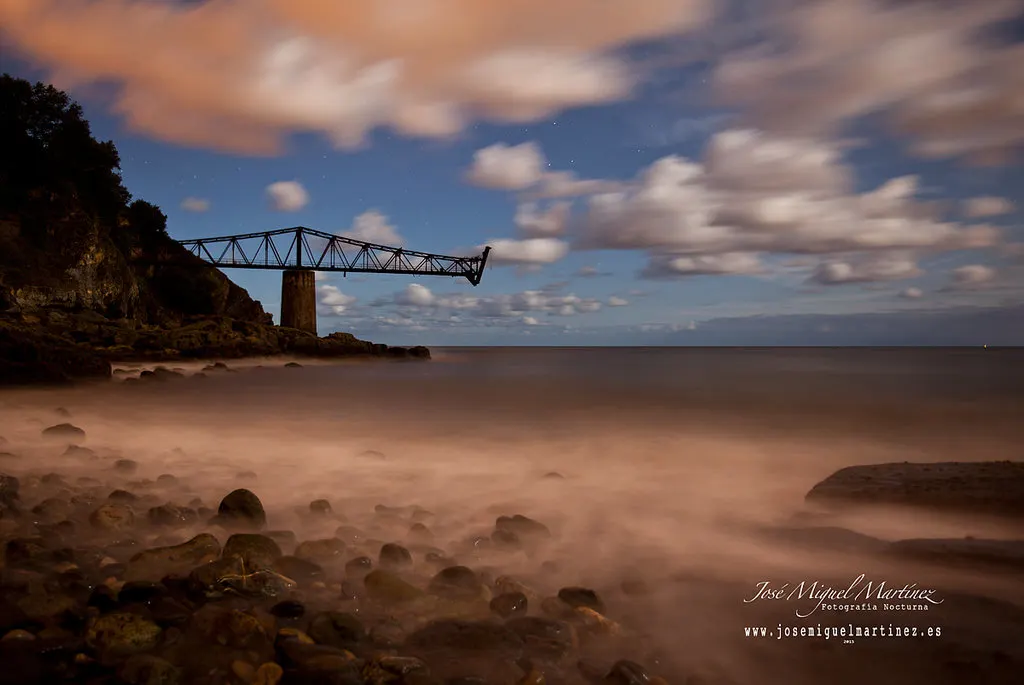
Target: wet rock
140 591
9 486
995 487
581 597
288 608
590 622
52 510
627 673
268 673
505 539
337 629
394 557
358 567
230 628
418 532
386 669
321 551
126 466
457 582
17 634
242 508
166 480
123 496
79 452
544 636
256 551
470 635
387 587
64 431
122 634
299 570
172 516
524 527
532 677
162 561
320 507
284 538
52 479
145 669
510 604
556 608
112 517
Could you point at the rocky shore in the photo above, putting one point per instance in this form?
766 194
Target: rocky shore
116 578
116 571
57 346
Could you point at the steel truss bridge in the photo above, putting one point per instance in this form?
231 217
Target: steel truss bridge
301 248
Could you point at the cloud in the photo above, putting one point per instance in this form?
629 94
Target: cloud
415 295
912 293
507 167
563 184
532 251
615 301
287 196
924 64
591 272
871 270
321 275
372 227
983 207
533 222
972 277
195 204
530 321
431 307
332 301
726 263
242 76
758 193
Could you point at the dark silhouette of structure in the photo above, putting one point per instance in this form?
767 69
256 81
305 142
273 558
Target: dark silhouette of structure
301 251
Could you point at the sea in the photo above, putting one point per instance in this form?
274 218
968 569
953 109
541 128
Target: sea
670 463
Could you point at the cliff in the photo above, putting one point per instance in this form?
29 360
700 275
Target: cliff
78 284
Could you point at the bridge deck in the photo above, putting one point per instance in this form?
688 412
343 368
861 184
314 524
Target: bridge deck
306 248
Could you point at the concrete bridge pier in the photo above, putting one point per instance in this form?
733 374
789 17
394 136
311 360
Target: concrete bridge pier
298 300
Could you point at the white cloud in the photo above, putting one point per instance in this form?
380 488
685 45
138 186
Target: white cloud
870 270
372 227
507 167
763 194
530 321
533 222
912 293
532 251
287 196
726 263
195 204
615 301
451 308
556 184
922 63
241 76
333 301
321 275
982 207
972 276
415 295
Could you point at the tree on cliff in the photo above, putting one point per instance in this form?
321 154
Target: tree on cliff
51 163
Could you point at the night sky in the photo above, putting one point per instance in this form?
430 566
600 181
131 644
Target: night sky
647 172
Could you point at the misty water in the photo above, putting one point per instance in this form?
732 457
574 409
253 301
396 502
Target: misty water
678 468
